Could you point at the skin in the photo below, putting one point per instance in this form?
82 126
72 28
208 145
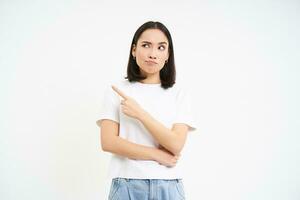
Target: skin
152 46
151 53
111 142
172 140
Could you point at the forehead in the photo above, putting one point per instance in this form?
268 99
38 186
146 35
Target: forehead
153 36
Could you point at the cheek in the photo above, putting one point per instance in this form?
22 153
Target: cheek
141 54
163 54
164 57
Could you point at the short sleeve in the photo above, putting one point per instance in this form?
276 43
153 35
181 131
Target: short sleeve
109 108
185 109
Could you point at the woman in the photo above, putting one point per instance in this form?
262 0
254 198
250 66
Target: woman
145 120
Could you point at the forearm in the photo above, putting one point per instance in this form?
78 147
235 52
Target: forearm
130 150
163 135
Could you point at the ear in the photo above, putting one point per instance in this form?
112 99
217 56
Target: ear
133 50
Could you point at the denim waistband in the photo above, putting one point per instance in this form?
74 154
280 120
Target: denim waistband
148 180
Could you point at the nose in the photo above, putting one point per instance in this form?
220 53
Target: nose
152 54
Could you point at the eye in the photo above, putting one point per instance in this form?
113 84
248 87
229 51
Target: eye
161 47
145 45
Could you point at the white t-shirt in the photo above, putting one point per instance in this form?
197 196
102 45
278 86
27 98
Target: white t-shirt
168 106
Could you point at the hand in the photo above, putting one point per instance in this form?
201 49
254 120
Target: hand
129 106
164 157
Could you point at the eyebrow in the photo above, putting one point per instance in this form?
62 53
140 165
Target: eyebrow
151 43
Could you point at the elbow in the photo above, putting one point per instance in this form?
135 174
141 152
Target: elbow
176 151
178 146
106 146
178 143
174 147
106 142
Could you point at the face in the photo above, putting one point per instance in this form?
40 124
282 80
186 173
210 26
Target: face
151 51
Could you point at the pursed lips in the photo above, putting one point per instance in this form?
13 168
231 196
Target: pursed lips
151 62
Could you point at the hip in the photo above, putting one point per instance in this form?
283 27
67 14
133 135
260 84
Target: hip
160 189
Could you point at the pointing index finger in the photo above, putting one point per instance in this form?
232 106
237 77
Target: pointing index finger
119 92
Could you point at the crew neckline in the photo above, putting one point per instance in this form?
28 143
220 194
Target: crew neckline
148 84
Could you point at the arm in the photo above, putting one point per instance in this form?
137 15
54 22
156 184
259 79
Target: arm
173 140
111 142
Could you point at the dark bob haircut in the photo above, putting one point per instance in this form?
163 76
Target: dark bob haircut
168 72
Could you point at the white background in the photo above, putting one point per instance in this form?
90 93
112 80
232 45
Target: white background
241 58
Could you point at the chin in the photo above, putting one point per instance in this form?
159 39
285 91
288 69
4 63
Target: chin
151 72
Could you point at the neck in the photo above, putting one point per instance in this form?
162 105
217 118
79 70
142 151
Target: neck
151 80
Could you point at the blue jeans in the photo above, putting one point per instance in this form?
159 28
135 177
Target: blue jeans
146 189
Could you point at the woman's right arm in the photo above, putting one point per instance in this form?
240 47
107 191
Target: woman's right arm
111 142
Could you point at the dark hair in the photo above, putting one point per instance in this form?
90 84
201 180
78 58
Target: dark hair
167 73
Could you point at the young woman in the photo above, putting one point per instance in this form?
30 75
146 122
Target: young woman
145 119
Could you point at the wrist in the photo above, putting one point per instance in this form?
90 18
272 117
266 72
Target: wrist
153 153
142 115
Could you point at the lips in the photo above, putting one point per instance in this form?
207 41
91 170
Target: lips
151 62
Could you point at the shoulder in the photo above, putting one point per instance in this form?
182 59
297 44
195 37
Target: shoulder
180 88
121 83
114 82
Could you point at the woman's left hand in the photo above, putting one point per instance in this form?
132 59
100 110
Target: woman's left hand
129 106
